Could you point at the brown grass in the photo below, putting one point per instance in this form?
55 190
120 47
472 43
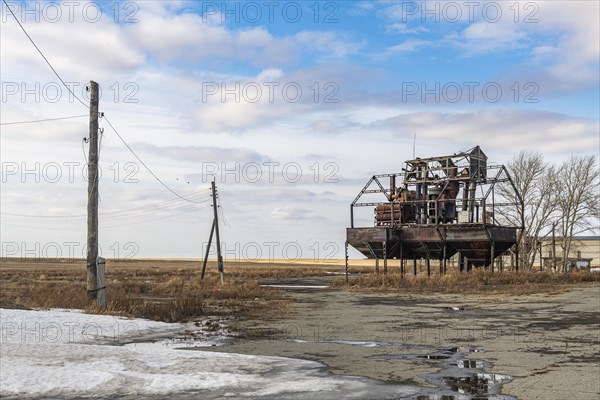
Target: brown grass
475 282
169 293
170 290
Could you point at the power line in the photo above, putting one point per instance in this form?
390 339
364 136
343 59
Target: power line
42 54
222 212
53 225
202 197
144 164
83 141
87 106
42 120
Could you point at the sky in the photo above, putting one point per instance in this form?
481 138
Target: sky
289 106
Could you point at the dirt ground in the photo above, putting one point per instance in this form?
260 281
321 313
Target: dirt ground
544 345
535 346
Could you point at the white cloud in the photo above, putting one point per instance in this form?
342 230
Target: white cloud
404 29
188 37
506 129
294 213
329 43
561 39
407 46
202 154
269 75
102 52
484 37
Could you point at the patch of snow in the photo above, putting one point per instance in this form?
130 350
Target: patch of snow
56 353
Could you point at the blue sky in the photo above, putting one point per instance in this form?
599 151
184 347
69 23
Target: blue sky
362 68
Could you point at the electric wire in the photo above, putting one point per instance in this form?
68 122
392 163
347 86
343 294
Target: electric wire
225 221
53 225
169 205
87 106
83 141
42 54
42 120
200 196
143 163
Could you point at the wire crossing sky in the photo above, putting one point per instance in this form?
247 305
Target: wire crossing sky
289 106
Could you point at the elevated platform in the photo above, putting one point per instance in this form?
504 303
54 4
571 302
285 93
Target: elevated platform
478 242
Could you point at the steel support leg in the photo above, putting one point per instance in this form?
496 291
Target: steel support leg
401 259
415 265
492 256
444 260
346 262
385 258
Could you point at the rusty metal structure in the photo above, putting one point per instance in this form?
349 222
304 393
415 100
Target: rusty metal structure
435 208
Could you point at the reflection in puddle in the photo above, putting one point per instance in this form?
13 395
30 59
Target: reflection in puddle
459 378
409 357
470 364
435 357
480 385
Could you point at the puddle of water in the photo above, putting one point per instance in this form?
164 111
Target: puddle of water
408 357
347 342
470 364
462 350
479 386
459 378
435 357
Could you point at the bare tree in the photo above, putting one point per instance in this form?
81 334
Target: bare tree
578 198
533 179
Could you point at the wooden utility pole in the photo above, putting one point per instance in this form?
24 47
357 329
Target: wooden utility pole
214 229
92 207
218 238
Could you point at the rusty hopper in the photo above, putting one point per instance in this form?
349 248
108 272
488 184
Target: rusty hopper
435 208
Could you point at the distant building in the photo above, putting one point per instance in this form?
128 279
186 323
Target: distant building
582 247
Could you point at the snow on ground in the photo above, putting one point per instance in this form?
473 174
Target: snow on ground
66 354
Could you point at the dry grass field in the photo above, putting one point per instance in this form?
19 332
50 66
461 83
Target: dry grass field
163 290
171 290
474 282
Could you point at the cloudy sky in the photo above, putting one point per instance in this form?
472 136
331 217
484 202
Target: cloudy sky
289 106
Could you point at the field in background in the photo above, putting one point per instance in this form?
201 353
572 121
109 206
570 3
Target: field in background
165 290
474 282
171 290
